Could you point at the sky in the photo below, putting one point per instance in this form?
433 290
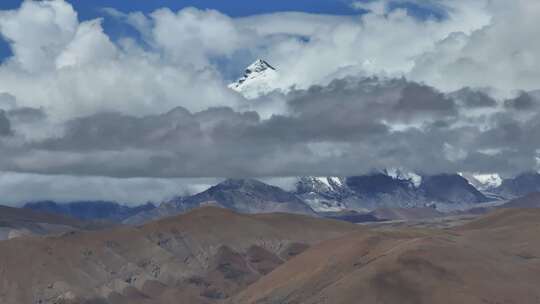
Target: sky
128 100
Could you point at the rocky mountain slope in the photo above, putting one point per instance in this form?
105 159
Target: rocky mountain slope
240 195
493 260
323 194
520 185
388 190
531 200
204 256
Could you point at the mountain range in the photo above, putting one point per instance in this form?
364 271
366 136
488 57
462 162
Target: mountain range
90 210
335 197
240 195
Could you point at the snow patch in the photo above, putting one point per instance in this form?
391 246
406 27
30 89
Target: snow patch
403 174
483 181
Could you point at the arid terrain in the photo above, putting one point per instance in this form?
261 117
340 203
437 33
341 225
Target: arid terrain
495 259
206 255
213 255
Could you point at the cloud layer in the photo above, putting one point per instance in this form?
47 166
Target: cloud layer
348 127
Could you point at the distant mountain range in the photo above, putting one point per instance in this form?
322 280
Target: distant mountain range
520 185
382 190
349 198
240 195
90 210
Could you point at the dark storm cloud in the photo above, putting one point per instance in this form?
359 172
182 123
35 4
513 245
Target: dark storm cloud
5 124
471 98
374 100
523 102
26 115
175 129
416 98
347 127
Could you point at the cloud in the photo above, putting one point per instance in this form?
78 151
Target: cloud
38 31
7 101
5 124
70 68
315 49
26 115
523 102
499 54
65 188
472 99
182 58
198 35
351 126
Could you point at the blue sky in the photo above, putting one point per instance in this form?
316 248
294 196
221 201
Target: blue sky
90 9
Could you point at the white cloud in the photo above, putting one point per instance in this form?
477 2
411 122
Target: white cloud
377 7
502 54
314 49
38 31
64 188
193 36
72 69
89 46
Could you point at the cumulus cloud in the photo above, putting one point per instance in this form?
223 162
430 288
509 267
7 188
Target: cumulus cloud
387 40
499 54
71 68
37 32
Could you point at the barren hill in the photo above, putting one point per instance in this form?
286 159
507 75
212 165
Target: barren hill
493 260
206 255
15 222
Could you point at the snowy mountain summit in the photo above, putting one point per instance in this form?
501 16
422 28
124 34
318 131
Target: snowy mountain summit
257 80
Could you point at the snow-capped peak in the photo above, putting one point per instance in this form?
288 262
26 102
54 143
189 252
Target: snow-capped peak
257 80
322 194
483 182
259 66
